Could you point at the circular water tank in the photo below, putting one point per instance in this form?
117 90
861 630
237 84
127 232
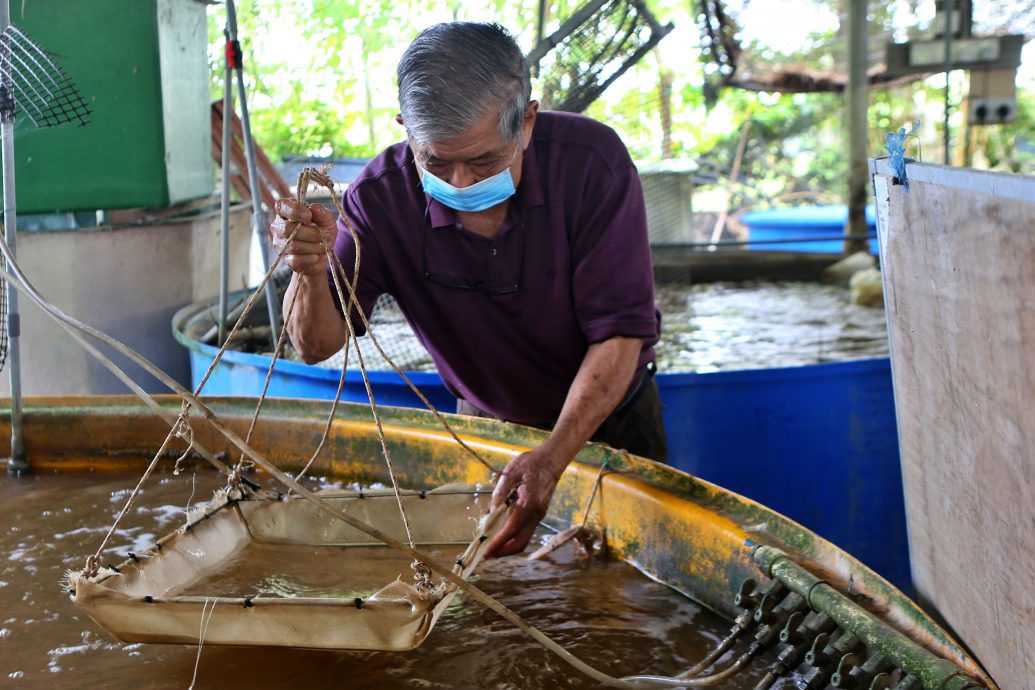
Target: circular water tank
803 228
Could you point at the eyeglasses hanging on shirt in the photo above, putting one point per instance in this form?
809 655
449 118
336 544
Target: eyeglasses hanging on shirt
486 286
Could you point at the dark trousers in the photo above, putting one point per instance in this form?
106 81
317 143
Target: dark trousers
636 425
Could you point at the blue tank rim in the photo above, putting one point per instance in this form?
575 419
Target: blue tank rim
287 367
429 378
804 216
797 372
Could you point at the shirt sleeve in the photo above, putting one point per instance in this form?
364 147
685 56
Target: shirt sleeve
371 283
613 275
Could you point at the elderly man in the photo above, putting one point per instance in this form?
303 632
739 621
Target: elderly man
515 243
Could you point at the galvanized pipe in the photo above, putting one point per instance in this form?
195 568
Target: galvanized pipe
259 220
19 462
934 672
224 199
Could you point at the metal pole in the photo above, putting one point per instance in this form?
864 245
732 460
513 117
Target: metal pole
19 462
224 260
948 71
540 29
259 220
856 105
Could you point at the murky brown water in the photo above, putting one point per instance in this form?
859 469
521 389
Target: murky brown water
606 613
286 570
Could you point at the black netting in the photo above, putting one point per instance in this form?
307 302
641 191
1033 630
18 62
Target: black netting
39 89
599 42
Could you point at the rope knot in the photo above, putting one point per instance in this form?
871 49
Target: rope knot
93 564
183 430
422 575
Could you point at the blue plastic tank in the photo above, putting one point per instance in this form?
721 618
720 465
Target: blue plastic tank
242 373
818 443
824 223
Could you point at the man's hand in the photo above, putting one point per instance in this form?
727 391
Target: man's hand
305 254
605 374
532 478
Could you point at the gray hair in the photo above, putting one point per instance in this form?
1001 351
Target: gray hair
454 73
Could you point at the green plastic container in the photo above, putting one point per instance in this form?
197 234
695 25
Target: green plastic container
142 67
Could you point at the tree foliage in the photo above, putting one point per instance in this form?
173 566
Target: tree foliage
321 80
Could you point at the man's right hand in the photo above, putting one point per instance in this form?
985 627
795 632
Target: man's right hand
305 254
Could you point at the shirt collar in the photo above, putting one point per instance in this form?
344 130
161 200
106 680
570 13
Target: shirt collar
529 192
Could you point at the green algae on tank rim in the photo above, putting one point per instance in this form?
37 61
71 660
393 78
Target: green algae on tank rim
684 532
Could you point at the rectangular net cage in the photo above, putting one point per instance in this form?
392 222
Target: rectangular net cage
272 570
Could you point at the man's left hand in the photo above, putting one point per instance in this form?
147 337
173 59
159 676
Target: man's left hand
531 478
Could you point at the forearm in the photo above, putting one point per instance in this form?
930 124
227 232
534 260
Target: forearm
315 326
603 379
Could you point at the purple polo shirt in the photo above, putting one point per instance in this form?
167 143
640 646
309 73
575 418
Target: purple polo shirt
574 242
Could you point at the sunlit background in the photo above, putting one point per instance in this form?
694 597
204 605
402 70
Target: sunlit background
322 78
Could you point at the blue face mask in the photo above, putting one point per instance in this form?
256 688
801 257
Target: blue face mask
478 197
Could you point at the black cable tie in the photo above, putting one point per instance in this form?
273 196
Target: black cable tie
149 599
133 556
460 562
247 602
482 538
111 567
358 602
423 495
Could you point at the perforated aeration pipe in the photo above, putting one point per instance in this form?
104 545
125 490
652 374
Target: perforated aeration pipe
934 672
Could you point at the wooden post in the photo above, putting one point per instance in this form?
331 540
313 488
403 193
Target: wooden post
856 103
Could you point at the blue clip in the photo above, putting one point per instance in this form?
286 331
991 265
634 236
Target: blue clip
896 148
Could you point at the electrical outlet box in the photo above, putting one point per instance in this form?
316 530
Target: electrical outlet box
992 97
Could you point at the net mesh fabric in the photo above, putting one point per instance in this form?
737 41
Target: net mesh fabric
583 63
39 89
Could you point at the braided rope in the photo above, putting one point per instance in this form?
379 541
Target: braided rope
327 182
302 186
93 562
421 576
